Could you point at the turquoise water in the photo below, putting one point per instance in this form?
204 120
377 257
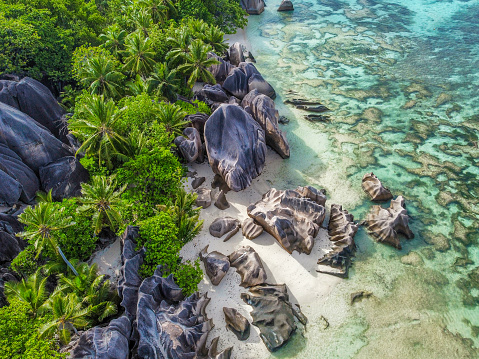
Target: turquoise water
402 81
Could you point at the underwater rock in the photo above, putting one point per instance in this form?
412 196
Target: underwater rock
412 259
293 217
272 313
251 229
204 197
216 265
236 146
63 177
198 181
358 296
283 120
189 144
253 7
374 188
107 342
221 202
236 83
286 5
386 223
249 266
224 225
221 70
237 323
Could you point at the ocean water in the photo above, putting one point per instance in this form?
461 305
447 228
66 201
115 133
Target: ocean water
402 81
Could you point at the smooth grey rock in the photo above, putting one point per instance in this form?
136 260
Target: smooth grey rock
253 7
224 225
214 93
220 71
256 80
198 121
216 265
237 323
251 230
198 181
10 247
236 83
374 188
189 144
236 146
249 266
286 5
236 53
63 177
247 101
290 217
204 197
221 202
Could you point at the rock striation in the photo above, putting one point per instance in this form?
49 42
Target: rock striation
237 323
251 229
189 144
216 265
236 146
225 225
293 217
374 188
386 223
249 266
236 83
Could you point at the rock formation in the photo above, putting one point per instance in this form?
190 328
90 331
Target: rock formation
256 80
237 323
221 70
251 229
10 244
221 202
386 223
293 217
225 225
197 181
236 146
253 7
236 83
236 54
374 188
204 197
189 144
249 266
286 5
216 265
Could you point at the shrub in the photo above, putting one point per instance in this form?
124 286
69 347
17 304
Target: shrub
197 106
25 263
139 112
188 275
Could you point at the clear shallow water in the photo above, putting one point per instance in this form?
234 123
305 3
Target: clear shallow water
402 81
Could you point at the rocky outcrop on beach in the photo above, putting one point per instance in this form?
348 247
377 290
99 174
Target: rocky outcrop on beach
374 188
216 265
286 5
189 144
237 323
251 229
249 266
204 197
225 225
253 7
236 146
293 217
385 224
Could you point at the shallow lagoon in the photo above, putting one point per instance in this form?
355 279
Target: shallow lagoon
402 81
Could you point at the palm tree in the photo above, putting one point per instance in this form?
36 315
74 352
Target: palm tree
42 222
99 74
179 45
142 20
197 63
139 54
94 122
159 10
186 216
101 199
138 86
213 36
68 315
31 291
135 144
172 117
114 39
163 82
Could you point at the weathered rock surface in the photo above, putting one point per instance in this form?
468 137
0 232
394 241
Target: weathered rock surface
189 144
198 121
63 177
110 342
237 323
225 225
214 93
221 202
341 230
204 197
216 265
256 80
374 188
236 146
386 223
318 196
10 245
272 313
220 71
236 83
251 229
253 7
291 217
286 5
249 266
236 54
198 181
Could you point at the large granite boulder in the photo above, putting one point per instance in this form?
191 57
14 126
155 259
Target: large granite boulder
63 177
386 223
253 7
189 144
10 245
237 323
236 54
214 93
256 80
293 217
216 265
221 70
32 142
236 146
225 225
374 188
249 266
272 313
36 100
110 342
341 230
236 83
286 5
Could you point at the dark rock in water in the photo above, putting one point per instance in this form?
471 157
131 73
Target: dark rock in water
317 108
237 323
221 201
317 118
249 266
236 83
357 296
216 265
251 229
63 177
283 120
32 142
266 115
272 313
215 93
198 121
253 7
318 196
302 102
386 223
293 217
236 146
286 5
256 80
220 71
374 188
189 144
236 54
204 197
34 99
198 181
341 230
107 342
225 225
